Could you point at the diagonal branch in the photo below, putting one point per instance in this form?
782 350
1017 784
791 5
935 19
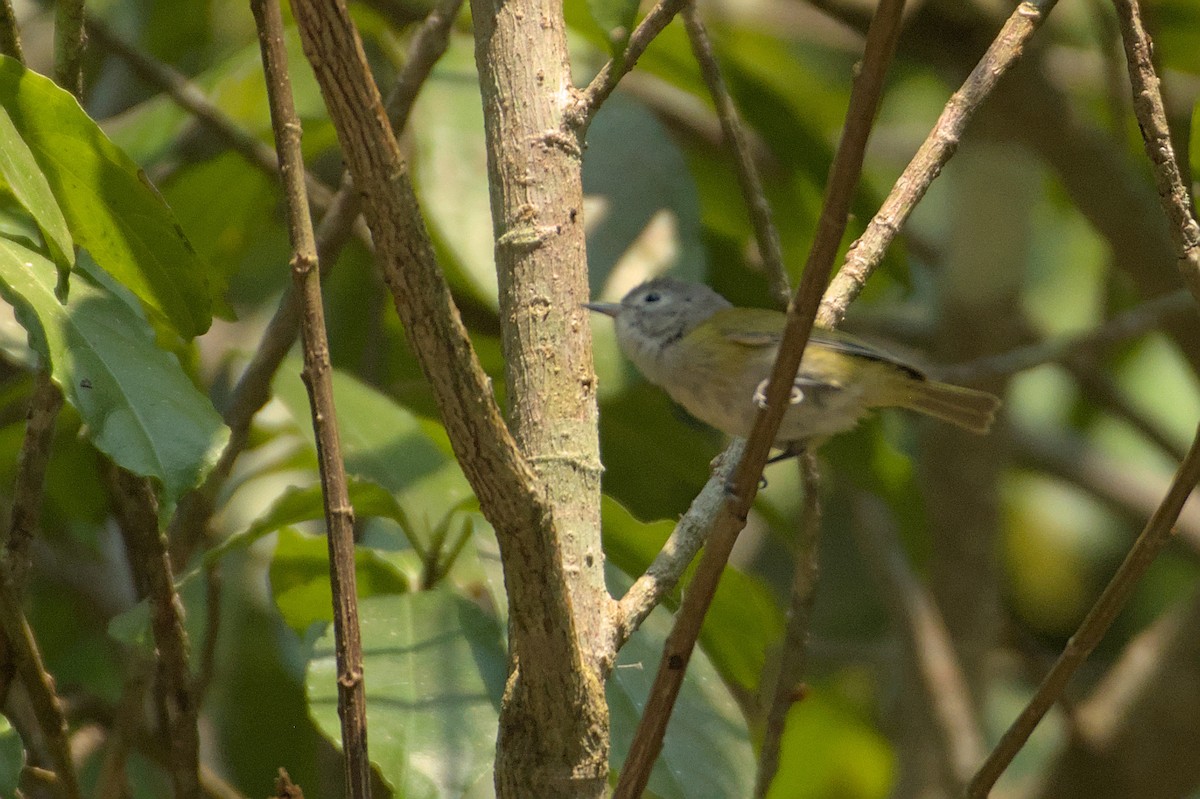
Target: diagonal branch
606 80
1155 535
136 509
508 490
795 643
867 253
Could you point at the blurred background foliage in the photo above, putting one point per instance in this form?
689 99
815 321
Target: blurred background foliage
1006 250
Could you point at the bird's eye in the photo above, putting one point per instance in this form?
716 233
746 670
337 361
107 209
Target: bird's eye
653 296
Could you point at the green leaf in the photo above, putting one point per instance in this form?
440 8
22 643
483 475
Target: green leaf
139 407
12 758
300 578
435 669
24 177
828 749
110 207
305 504
707 750
450 169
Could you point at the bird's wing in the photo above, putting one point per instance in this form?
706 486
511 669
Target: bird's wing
750 327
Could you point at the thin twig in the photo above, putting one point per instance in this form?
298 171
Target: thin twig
795 641
1156 534
844 173
1151 114
867 252
765 232
253 388
137 510
927 643
606 80
69 44
10 38
318 378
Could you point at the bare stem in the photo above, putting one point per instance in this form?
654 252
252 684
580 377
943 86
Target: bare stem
684 542
69 43
10 39
45 401
39 684
765 233
318 379
610 74
254 387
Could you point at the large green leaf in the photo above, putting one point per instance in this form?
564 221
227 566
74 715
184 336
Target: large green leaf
450 169
24 177
706 751
434 670
111 208
139 407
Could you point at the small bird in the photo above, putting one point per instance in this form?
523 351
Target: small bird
715 360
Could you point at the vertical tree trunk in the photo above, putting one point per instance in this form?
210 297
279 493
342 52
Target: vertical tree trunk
556 743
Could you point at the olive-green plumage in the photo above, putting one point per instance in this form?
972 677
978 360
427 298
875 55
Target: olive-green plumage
714 360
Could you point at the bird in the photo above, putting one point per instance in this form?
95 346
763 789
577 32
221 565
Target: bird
715 359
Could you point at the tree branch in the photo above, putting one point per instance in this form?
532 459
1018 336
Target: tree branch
867 252
510 494
69 44
318 379
589 101
10 38
1151 114
672 561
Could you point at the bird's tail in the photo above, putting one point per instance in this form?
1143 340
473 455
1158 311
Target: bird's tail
968 408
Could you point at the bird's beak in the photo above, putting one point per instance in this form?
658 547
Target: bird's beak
606 308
